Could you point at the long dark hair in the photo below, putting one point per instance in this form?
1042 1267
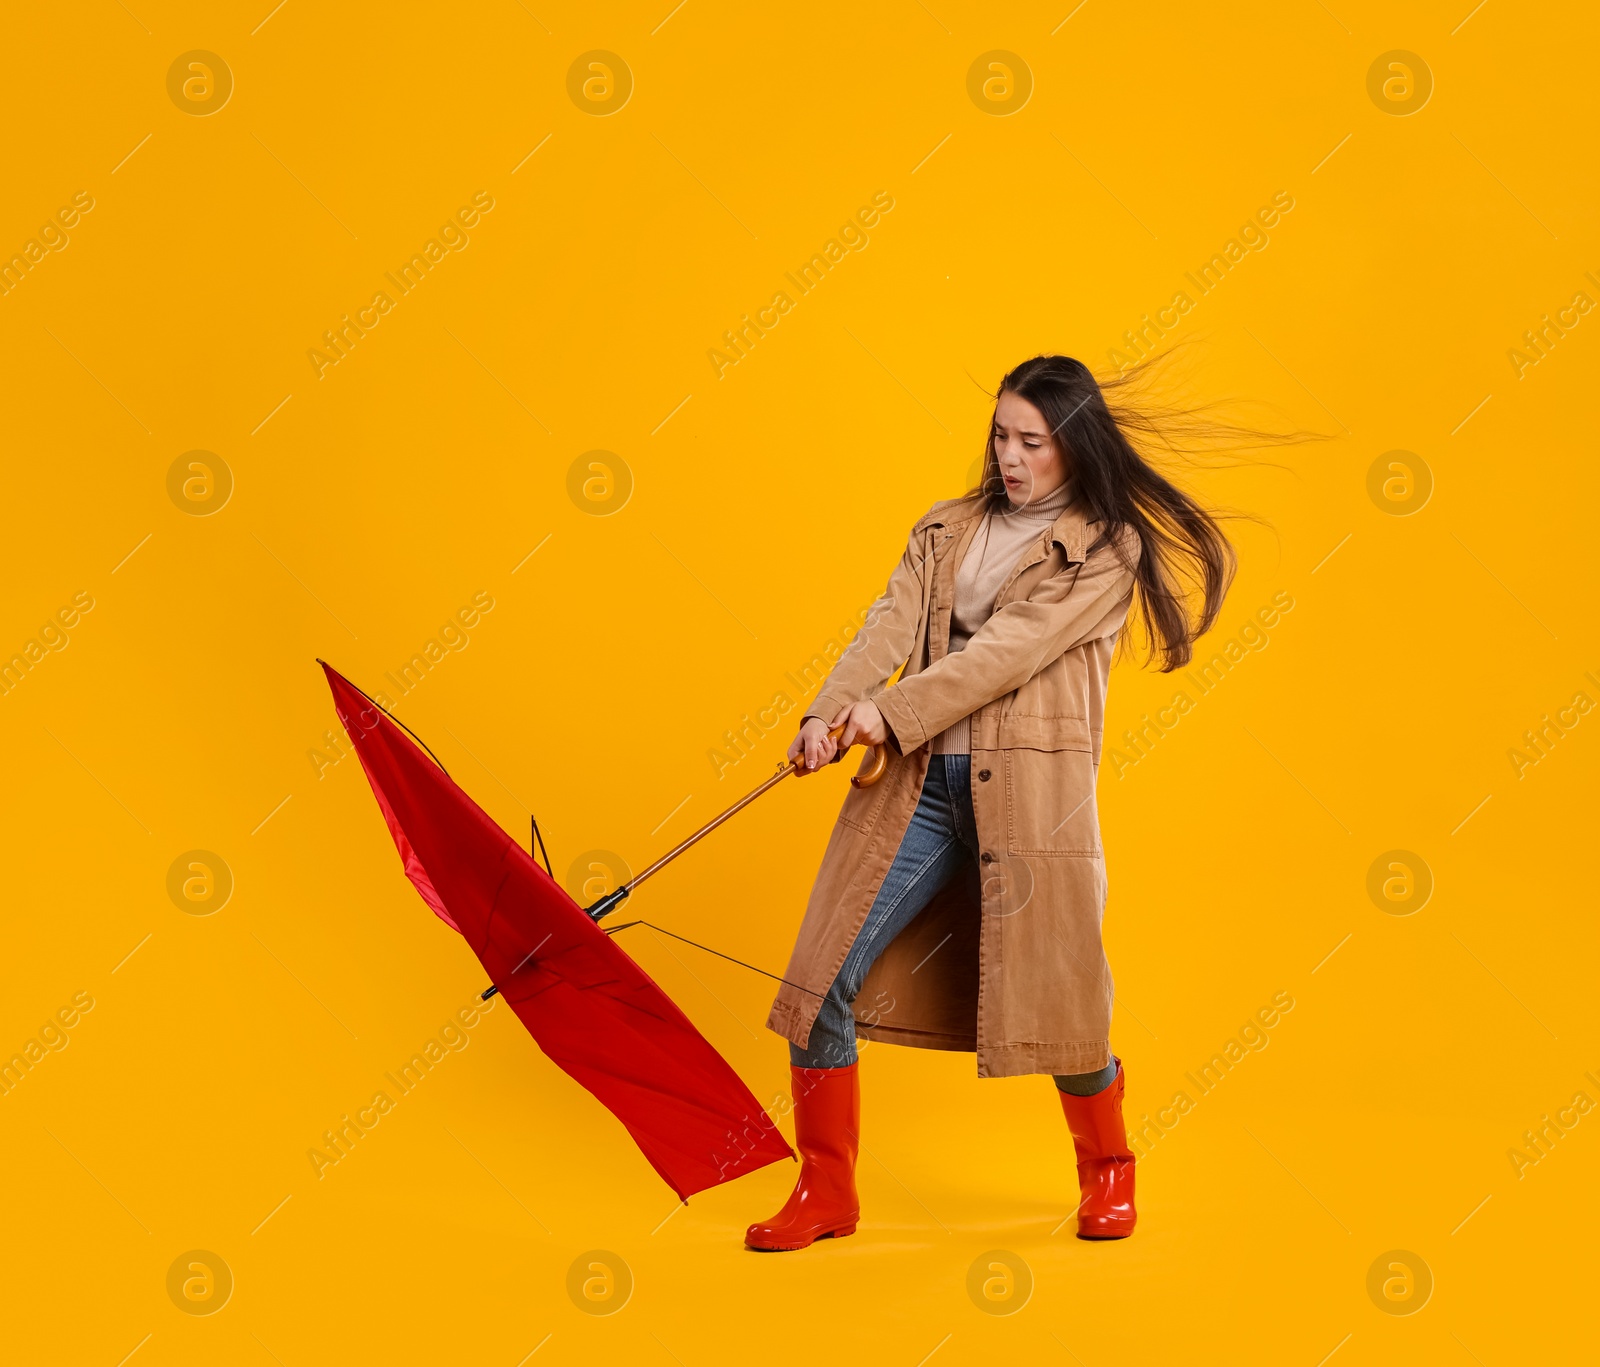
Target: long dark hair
1185 564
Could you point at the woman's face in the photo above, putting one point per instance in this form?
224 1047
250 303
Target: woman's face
1030 459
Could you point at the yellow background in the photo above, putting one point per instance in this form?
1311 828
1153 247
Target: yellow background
768 507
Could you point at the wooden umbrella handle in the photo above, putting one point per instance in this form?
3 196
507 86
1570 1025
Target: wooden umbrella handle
869 775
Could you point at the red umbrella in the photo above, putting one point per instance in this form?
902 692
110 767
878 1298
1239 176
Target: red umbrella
588 1005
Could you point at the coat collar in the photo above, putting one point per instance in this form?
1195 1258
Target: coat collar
1070 530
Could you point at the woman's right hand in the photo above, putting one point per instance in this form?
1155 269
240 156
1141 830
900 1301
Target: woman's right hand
815 744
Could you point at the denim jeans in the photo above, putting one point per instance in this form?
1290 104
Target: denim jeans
941 839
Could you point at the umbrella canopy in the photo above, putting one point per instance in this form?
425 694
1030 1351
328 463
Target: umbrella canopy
593 1010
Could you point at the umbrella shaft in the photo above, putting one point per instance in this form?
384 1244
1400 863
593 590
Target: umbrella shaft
706 830
612 900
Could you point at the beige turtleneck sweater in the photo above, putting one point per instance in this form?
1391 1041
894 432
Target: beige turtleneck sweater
996 546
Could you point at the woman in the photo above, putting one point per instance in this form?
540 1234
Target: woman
959 901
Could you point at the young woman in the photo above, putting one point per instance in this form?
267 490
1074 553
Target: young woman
959 900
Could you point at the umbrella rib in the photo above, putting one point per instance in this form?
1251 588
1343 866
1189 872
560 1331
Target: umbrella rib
628 925
537 837
391 716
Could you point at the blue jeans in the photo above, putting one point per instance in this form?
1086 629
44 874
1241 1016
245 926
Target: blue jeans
941 839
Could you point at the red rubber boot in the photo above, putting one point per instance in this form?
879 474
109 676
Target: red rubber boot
1105 1162
827 1123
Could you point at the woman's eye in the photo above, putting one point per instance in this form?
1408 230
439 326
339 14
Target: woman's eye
1031 445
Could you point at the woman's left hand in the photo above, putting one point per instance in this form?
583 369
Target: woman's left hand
863 725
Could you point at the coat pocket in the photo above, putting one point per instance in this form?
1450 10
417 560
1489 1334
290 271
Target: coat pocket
1050 803
863 806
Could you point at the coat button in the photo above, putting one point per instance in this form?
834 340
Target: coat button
983 775
987 857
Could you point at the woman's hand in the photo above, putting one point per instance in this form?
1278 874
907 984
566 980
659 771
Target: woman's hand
863 725
815 744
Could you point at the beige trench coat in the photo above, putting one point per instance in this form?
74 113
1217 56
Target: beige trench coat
1006 961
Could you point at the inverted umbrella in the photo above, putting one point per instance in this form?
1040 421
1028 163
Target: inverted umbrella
590 1007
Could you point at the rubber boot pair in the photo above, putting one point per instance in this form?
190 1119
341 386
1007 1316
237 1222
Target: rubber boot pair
827 1128
1105 1162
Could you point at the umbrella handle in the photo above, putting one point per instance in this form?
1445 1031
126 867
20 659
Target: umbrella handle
870 774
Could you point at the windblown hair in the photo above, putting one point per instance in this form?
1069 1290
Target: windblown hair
1186 563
